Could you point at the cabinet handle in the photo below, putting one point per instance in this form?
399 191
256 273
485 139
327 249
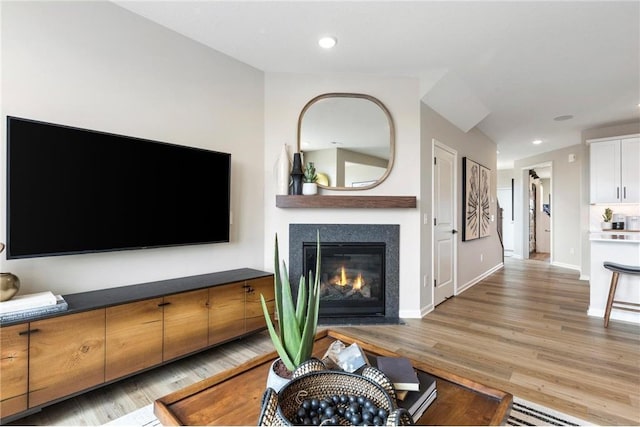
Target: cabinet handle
29 331
162 304
617 192
24 333
624 192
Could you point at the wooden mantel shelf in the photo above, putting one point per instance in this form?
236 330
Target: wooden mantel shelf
319 201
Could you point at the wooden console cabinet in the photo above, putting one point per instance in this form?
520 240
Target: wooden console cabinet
133 337
66 355
236 308
14 365
110 334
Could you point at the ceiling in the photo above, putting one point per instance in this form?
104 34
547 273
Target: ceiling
508 67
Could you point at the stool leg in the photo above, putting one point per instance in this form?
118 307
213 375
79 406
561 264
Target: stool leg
612 292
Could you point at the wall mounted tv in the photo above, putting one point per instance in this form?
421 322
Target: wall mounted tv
72 191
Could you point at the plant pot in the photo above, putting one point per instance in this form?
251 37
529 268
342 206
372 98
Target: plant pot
274 380
309 188
606 225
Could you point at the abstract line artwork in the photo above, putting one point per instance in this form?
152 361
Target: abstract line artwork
476 200
485 202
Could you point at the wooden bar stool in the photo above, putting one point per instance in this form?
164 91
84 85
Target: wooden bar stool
618 269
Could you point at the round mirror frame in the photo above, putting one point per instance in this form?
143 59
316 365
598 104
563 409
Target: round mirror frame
392 133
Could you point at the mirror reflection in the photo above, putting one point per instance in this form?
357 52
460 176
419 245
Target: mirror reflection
349 138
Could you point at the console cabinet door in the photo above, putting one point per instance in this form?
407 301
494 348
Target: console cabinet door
66 355
186 323
14 365
133 337
226 313
253 309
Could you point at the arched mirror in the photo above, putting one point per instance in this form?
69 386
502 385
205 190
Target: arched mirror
349 137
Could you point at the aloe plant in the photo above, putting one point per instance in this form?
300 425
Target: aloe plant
310 173
608 213
297 323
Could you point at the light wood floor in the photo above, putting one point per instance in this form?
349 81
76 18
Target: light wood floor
523 330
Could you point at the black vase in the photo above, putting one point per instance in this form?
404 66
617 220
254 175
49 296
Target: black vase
296 175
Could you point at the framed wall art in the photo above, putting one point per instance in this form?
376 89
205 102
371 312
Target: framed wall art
476 206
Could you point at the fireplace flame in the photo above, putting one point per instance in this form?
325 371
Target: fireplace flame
358 283
343 277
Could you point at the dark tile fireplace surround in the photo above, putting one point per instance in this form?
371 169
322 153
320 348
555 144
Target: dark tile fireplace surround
359 271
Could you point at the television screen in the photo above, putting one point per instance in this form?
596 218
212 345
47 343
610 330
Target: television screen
73 190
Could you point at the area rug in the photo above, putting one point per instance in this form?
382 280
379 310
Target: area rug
523 413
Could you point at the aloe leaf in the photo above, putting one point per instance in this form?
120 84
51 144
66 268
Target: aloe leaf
301 305
290 329
278 288
311 324
276 339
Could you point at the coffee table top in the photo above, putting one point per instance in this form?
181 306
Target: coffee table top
234 397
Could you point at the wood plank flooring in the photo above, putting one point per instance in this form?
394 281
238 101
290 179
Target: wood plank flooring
523 330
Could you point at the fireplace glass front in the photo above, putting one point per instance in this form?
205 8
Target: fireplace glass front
352 278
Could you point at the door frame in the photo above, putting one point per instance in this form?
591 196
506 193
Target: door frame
441 145
524 188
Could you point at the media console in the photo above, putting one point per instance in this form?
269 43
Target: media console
111 334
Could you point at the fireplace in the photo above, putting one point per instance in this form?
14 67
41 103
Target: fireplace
359 270
352 278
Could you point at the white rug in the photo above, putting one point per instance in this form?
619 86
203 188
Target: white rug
523 413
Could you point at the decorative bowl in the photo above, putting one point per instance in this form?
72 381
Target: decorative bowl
312 380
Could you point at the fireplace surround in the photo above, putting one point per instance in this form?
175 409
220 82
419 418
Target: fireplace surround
372 248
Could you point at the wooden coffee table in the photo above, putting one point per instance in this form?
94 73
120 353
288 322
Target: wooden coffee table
234 397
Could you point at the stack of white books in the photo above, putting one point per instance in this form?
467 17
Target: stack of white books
32 305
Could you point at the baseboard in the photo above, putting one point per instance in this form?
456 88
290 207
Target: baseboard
569 266
410 314
426 310
623 316
479 278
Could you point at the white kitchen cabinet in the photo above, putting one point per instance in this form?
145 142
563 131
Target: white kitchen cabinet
615 170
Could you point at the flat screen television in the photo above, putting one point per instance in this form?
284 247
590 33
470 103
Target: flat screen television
72 191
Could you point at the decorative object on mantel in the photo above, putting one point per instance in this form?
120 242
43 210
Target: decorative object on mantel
606 216
477 200
9 283
297 175
283 167
309 187
297 323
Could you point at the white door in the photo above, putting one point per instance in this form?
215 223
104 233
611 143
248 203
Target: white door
444 217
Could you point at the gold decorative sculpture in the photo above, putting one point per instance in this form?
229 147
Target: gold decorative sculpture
9 283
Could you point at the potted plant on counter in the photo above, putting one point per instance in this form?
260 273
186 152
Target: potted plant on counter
606 216
297 323
309 185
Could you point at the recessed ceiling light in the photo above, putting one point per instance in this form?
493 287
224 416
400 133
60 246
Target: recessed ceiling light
563 118
536 142
327 42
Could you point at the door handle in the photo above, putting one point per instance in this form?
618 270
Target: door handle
454 231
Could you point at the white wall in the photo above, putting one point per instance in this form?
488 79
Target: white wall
478 147
285 96
95 65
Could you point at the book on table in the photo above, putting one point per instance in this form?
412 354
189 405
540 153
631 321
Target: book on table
12 316
400 372
25 302
416 402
